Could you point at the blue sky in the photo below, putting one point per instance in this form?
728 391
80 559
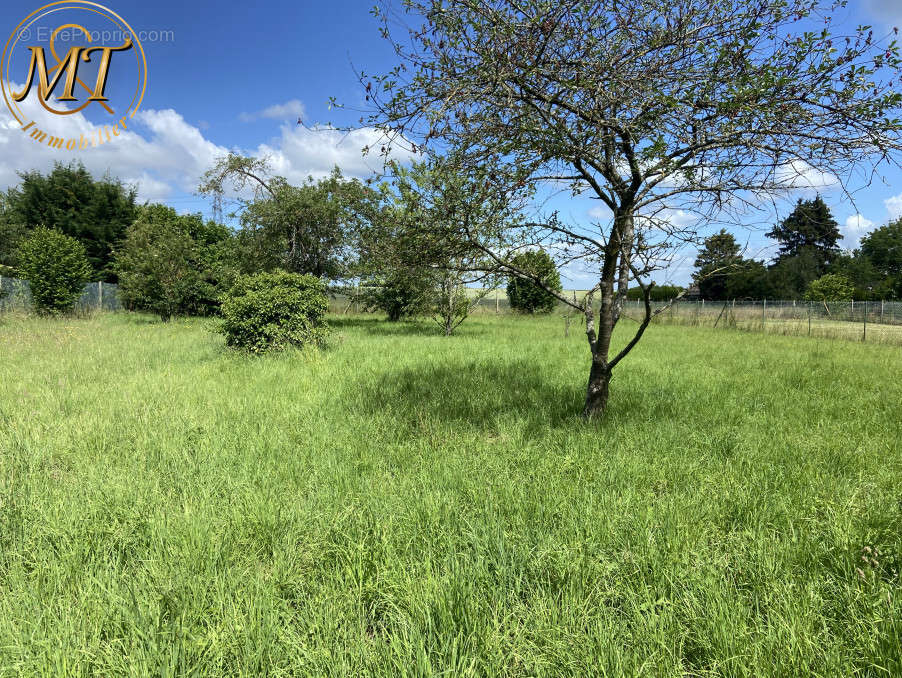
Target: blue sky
238 75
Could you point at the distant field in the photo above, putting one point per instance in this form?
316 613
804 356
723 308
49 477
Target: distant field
405 504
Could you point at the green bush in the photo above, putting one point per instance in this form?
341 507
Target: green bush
272 311
659 293
172 264
525 295
830 287
56 269
402 293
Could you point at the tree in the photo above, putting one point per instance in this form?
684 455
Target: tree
302 229
788 277
527 296
172 264
749 279
867 281
394 275
809 228
714 263
702 106
883 247
94 212
402 293
808 240
56 269
443 209
658 293
830 287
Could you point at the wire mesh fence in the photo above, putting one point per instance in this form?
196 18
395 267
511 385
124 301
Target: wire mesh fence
871 321
15 295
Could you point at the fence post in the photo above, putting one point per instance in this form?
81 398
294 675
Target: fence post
99 295
764 312
852 312
809 318
864 335
881 310
496 301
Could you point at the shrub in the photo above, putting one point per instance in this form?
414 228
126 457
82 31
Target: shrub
830 287
172 264
272 311
659 293
56 269
402 293
524 294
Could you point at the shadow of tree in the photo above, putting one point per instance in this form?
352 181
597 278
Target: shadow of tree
475 394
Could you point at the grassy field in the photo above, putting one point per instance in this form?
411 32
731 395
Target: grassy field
405 504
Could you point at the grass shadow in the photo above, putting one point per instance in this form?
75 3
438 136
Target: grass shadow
474 394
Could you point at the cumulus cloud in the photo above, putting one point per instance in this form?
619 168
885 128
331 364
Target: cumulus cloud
894 206
301 152
601 213
162 154
854 228
800 175
287 111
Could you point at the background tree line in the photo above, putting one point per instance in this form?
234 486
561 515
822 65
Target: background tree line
808 255
335 229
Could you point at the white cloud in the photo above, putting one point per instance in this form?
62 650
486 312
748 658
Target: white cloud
894 206
301 152
800 175
601 213
287 111
162 154
854 227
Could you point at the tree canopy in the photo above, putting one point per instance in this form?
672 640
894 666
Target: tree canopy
172 264
95 212
528 296
809 229
306 229
649 106
717 259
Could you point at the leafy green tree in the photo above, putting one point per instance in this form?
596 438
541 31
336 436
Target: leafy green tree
788 277
525 294
703 106
808 240
883 248
658 293
303 229
172 264
749 279
95 212
441 207
830 287
396 276
55 267
867 281
274 311
400 293
714 263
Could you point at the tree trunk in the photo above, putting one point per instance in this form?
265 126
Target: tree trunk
615 273
597 392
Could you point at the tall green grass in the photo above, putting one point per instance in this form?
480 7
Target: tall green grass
405 504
